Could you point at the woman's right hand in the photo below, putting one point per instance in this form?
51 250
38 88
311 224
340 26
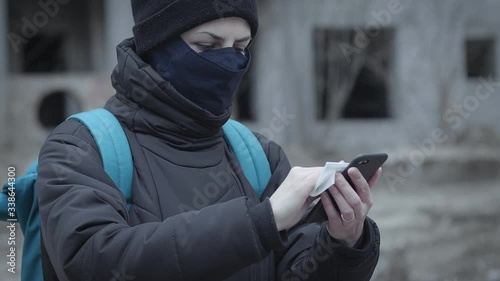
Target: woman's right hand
291 200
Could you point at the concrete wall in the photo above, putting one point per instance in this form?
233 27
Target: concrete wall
27 133
110 22
118 26
428 75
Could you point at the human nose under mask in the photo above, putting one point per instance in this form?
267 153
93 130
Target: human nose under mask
209 79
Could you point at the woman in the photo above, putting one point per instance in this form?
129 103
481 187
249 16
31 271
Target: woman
175 82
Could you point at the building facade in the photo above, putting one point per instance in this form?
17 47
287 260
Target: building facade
331 75
441 70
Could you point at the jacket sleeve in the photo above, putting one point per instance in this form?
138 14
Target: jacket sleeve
84 223
310 253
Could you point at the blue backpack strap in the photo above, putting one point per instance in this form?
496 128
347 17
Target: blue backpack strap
113 147
250 154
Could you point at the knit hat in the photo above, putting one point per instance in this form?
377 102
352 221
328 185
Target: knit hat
157 21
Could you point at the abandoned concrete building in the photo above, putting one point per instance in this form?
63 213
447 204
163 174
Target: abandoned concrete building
336 75
329 79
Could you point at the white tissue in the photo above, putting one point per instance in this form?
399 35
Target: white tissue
327 177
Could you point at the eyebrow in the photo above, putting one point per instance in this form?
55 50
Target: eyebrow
217 37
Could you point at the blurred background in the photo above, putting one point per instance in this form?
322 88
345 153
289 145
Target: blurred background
330 79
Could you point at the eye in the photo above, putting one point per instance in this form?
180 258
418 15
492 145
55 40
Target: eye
204 47
241 50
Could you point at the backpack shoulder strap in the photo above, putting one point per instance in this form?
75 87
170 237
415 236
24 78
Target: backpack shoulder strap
113 147
250 154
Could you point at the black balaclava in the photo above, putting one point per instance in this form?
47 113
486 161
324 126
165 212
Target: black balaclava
209 79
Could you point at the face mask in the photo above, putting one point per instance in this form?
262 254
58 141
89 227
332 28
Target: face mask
209 79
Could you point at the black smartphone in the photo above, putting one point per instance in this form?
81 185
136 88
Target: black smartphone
367 164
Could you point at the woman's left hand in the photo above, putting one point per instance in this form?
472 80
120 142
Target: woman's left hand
354 205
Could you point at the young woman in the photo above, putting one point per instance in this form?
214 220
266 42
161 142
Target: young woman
175 83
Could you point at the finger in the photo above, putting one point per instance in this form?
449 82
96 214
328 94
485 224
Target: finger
345 209
330 210
349 195
362 187
375 178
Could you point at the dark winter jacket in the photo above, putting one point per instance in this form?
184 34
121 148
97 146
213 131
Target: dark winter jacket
194 215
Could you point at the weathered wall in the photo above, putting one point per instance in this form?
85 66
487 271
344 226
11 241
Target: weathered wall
428 75
428 79
91 88
27 134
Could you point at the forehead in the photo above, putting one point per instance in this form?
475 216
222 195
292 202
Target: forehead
224 27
